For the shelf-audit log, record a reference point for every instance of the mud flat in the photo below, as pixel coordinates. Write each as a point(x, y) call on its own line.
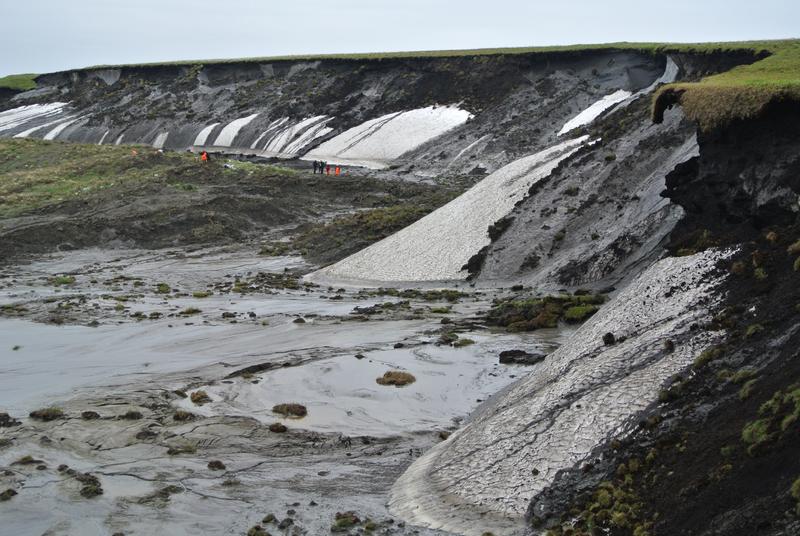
point(130, 336)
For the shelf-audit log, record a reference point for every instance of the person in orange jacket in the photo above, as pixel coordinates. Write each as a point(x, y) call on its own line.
point(204, 156)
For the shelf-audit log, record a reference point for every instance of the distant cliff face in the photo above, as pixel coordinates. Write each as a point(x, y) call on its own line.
point(445, 115)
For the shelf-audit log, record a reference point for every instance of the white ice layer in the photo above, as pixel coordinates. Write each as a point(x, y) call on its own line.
point(485, 475)
point(16, 117)
point(437, 246)
point(53, 134)
point(28, 132)
point(291, 139)
point(202, 136)
point(160, 140)
point(231, 130)
point(670, 75)
point(379, 141)
point(592, 112)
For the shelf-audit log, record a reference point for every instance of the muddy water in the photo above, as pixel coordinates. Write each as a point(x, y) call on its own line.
point(357, 439)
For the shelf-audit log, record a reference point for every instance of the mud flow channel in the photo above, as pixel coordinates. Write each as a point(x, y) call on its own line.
point(164, 369)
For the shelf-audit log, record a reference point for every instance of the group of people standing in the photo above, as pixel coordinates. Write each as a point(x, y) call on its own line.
point(325, 168)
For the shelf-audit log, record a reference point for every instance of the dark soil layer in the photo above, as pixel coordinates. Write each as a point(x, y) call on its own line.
point(64, 196)
point(718, 453)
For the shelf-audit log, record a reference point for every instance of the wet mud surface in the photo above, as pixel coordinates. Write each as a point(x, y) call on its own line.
point(123, 341)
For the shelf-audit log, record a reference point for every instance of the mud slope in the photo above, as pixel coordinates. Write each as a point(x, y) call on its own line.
point(484, 476)
point(482, 111)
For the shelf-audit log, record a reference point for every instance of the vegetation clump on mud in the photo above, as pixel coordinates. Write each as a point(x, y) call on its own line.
point(47, 414)
point(291, 410)
point(777, 416)
point(437, 295)
point(531, 313)
point(397, 378)
point(199, 397)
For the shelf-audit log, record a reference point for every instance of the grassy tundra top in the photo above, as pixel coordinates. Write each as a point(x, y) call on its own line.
point(742, 92)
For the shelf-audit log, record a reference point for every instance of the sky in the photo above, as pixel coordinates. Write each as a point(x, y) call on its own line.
point(38, 36)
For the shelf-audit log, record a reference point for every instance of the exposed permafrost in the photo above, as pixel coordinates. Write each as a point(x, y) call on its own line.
point(10, 119)
point(379, 141)
point(436, 247)
point(592, 112)
point(228, 133)
point(484, 476)
point(623, 97)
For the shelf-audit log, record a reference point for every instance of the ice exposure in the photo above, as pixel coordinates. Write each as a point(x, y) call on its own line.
point(592, 112)
point(483, 477)
point(16, 117)
point(379, 141)
point(436, 247)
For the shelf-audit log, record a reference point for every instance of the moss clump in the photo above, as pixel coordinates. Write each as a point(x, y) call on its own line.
point(199, 398)
point(580, 313)
point(794, 249)
point(795, 491)
point(753, 330)
point(707, 356)
point(7, 495)
point(460, 343)
point(528, 314)
point(163, 288)
point(201, 294)
point(130, 416)
point(257, 530)
point(189, 311)
point(181, 449)
point(292, 410)
point(396, 377)
point(216, 465)
point(343, 521)
point(747, 389)
point(91, 485)
point(61, 280)
point(776, 417)
point(797, 265)
point(47, 414)
point(183, 416)
point(278, 428)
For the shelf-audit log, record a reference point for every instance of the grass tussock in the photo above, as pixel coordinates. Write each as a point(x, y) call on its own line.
point(397, 378)
point(47, 414)
point(291, 410)
point(199, 398)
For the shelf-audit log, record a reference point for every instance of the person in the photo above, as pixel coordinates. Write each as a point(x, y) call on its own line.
point(338, 170)
point(327, 168)
point(315, 167)
point(204, 156)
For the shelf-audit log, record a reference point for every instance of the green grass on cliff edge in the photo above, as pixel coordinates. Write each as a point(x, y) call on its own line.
point(18, 82)
point(740, 93)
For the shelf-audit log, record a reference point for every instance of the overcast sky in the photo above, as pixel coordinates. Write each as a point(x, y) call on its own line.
point(47, 35)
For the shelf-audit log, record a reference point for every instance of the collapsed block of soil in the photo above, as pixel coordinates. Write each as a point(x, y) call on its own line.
point(520, 357)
